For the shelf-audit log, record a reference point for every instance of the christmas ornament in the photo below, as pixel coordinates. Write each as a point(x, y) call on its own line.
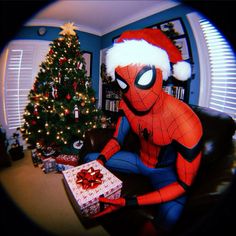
point(68, 96)
point(51, 51)
point(92, 99)
point(75, 85)
point(79, 65)
point(76, 113)
point(62, 60)
point(87, 85)
point(36, 110)
point(48, 151)
point(59, 77)
point(89, 178)
point(67, 111)
point(104, 121)
point(75, 98)
point(33, 122)
point(54, 92)
point(46, 94)
point(68, 29)
point(78, 144)
point(36, 98)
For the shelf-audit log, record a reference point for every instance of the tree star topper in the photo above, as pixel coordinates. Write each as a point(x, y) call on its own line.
point(68, 29)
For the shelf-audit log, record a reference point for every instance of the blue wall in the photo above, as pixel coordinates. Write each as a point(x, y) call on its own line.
point(93, 43)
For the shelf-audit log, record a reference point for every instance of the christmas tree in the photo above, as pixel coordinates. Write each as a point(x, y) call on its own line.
point(62, 103)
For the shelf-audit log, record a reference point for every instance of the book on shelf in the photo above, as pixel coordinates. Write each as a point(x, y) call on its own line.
point(112, 105)
point(175, 91)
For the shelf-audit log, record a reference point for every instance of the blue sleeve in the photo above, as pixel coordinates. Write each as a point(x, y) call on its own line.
point(122, 129)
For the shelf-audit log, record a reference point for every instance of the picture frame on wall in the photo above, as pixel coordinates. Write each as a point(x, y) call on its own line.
point(175, 24)
point(182, 44)
point(88, 61)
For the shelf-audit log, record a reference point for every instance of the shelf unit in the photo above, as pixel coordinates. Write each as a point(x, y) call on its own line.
point(111, 95)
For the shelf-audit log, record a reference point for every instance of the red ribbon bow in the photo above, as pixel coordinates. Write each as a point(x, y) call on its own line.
point(89, 178)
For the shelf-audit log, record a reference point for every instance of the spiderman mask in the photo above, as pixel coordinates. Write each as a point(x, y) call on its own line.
point(141, 86)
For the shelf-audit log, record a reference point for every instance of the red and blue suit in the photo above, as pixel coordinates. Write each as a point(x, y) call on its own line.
point(170, 135)
point(170, 143)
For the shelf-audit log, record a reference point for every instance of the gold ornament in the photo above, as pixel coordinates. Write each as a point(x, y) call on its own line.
point(68, 29)
point(93, 99)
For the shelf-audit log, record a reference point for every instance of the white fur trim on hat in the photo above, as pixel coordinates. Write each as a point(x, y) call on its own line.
point(182, 70)
point(137, 52)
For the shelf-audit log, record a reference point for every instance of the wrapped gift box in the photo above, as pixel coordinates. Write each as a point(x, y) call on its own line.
point(49, 165)
point(84, 198)
point(71, 160)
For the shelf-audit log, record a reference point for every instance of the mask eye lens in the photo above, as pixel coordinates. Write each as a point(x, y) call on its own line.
point(146, 78)
point(121, 84)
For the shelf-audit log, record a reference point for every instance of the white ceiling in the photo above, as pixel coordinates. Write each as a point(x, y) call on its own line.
point(98, 17)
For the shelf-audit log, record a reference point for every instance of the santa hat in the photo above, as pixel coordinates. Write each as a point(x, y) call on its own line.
point(147, 47)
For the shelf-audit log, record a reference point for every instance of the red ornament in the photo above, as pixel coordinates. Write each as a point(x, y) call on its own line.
point(67, 111)
point(46, 94)
point(51, 52)
point(33, 122)
point(89, 178)
point(75, 85)
point(62, 60)
point(68, 96)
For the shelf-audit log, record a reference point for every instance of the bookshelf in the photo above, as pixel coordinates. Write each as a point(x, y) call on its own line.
point(111, 95)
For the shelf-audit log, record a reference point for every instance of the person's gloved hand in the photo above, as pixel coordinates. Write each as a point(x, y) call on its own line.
point(101, 159)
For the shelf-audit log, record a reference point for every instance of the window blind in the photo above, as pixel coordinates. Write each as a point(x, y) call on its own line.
point(19, 76)
point(24, 58)
point(222, 81)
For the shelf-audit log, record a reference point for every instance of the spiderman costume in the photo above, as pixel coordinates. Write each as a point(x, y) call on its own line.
point(169, 132)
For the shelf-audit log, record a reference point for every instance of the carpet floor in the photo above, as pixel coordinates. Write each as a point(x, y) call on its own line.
point(35, 203)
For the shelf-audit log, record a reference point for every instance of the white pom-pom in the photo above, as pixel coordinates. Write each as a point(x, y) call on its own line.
point(182, 70)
